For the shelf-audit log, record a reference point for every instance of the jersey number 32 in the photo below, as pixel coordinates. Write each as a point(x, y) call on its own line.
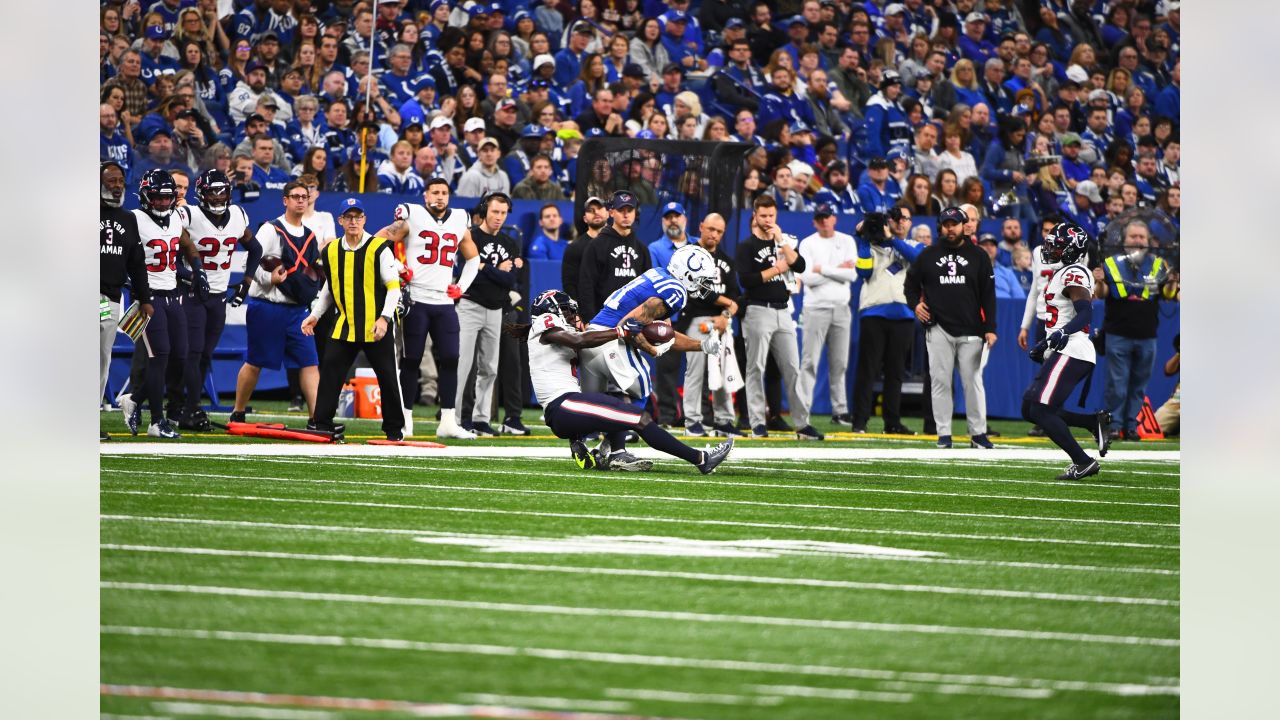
point(439, 250)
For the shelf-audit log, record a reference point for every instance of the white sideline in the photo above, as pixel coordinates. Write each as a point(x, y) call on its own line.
point(657, 498)
point(668, 463)
point(693, 617)
point(411, 532)
point(555, 703)
point(691, 698)
point(740, 451)
point(654, 519)
point(242, 711)
point(744, 666)
point(942, 689)
point(633, 572)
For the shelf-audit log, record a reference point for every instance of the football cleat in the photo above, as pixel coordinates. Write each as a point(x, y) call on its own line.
point(713, 457)
point(980, 441)
point(582, 455)
point(695, 430)
point(726, 430)
point(513, 426)
point(760, 431)
point(624, 460)
point(335, 428)
point(236, 416)
point(842, 419)
point(899, 430)
point(163, 429)
point(1080, 472)
point(777, 423)
point(132, 413)
point(483, 429)
point(944, 442)
point(808, 432)
point(1102, 436)
point(197, 421)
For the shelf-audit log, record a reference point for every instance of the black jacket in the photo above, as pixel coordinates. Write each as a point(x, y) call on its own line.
point(726, 285)
point(120, 253)
point(959, 286)
point(610, 262)
point(571, 263)
point(754, 257)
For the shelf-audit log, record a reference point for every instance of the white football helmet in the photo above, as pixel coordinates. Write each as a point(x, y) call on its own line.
point(694, 267)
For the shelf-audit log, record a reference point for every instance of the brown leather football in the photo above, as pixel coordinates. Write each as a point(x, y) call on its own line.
point(270, 262)
point(658, 333)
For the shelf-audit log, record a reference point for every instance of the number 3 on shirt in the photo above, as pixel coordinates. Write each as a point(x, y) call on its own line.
point(440, 248)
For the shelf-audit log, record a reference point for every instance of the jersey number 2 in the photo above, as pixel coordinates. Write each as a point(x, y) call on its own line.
point(209, 248)
point(166, 254)
point(440, 248)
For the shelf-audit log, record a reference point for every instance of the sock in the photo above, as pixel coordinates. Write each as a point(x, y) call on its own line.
point(1080, 420)
point(617, 441)
point(409, 382)
point(659, 439)
point(446, 381)
point(193, 379)
point(156, 367)
point(1056, 428)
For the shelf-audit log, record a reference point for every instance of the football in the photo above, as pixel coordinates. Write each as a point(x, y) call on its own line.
point(270, 262)
point(658, 332)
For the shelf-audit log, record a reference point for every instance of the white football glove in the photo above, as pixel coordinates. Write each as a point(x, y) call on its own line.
point(711, 344)
point(664, 347)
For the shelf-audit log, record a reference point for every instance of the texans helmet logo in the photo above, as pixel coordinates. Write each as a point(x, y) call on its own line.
point(1076, 235)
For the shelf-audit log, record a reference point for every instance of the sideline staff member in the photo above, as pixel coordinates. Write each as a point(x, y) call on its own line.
point(364, 284)
point(953, 289)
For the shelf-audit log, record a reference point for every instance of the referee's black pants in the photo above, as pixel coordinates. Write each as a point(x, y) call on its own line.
point(336, 364)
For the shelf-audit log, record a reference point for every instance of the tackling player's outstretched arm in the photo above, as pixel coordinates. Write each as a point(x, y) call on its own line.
point(579, 341)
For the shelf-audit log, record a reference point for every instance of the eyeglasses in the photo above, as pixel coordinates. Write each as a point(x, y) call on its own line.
point(295, 196)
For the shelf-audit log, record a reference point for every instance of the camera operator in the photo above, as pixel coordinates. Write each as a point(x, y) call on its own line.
point(887, 326)
point(242, 178)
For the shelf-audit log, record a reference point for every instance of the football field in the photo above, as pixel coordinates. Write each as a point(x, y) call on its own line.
point(870, 577)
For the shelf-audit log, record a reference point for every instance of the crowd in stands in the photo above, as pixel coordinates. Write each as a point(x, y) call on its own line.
point(1063, 108)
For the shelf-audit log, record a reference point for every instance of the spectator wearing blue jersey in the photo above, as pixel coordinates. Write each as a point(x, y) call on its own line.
point(548, 242)
point(154, 62)
point(113, 145)
point(1168, 103)
point(875, 194)
point(1052, 33)
point(158, 155)
point(973, 43)
point(887, 125)
point(400, 83)
point(681, 49)
point(265, 174)
point(569, 59)
point(396, 175)
point(1075, 169)
point(837, 193)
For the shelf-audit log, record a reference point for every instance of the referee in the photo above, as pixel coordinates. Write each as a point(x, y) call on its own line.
point(364, 284)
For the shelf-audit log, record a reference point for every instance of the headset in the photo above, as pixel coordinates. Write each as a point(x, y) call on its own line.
point(483, 208)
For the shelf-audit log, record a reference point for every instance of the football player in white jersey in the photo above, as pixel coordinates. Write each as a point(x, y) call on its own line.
point(428, 241)
point(163, 239)
point(555, 335)
point(1034, 310)
point(216, 227)
point(1067, 354)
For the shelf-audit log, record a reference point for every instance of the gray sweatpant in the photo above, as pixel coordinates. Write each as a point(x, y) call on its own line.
point(478, 329)
point(827, 327)
point(766, 331)
point(947, 353)
point(695, 378)
point(106, 339)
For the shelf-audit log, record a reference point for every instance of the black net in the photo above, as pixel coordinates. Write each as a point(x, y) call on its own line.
point(704, 177)
point(1162, 232)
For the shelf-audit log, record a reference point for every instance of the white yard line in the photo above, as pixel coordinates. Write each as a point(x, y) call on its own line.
point(634, 572)
point(653, 498)
point(405, 531)
point(242, 711)
point(282, 700)
point(691, 617)
point(737, 666)
point(560, 450)
point(555, 703)
point(653, 519)
point(601, 477)
point(805, 691)
point(666, 462)
point(691, 698)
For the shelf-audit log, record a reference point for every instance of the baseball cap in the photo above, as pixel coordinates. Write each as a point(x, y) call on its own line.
point(424, 81)
point(988, 238)
point(582, 27)
point(953, 214)
point(672, 207)
point(441, 121)
point(494, 8)
point(1071, 139)
point(824, 210)
point(160, 130)
point(975, 17)
point(254, 65)
point(673, 67)
point(795, 20)
point(157, 32)
point(878, 162)
point(534, 130)
point(505, 104)
point(475, 9)
point(889, 77)
point(266, 101)
point(800, 167)
point(1089, 189)
point(255, 117)
point(676, 16)
point(1077, 73)
point(799, 127)
point(621, 199)
point(632, 70)
point(543, 59)
point(1098, 94)
point(520, 14)
point(351, 203)
point(734, 22)
point(473, 124)
point(437, 3)
point(488, 141)
point(837, 166)
point(269, 35)
point(594, 199)
point(894, 9)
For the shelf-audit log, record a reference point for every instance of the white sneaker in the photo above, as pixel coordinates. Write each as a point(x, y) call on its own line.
point(408, 422)
point(163, 429)
point(132, 414)
point(449, 428)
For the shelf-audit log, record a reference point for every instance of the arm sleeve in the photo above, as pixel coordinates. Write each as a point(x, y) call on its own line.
point(1029, 308)
point(469, 271)
point(800, 264)
point(908, 249)
point(1084, 315)
point(253, 255)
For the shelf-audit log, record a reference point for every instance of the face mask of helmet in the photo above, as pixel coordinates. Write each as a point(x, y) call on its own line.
point(218, 202)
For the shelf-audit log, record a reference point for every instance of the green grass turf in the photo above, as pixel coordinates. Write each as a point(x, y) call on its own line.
point(339, 537)
point(1014, 431)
